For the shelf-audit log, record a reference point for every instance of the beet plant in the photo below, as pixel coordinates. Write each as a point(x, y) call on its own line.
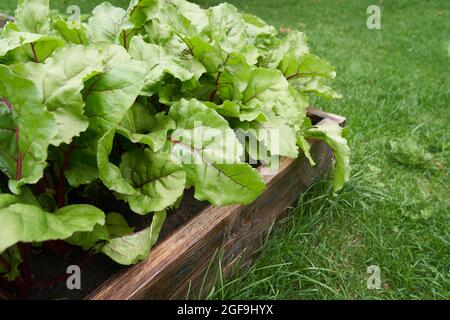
point(135, 106)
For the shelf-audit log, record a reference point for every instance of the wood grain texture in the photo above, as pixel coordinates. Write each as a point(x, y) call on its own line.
point(186, 264)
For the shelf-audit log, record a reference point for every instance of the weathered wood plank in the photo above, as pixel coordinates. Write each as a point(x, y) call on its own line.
point(320, 115)
point(185, 264)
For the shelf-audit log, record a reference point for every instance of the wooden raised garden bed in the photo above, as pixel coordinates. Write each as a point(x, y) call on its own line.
point(185, 262)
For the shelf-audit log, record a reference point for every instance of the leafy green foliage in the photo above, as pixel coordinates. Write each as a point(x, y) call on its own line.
point(157, 181)
point(141, 104)
point(28, 223)
point(24, 140)
point(132, 248)
point(332, 134)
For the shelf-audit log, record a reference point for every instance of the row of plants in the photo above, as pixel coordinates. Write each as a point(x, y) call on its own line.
point(138, 105)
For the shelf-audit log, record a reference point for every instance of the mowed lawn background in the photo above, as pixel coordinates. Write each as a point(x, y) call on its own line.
point(395, 211)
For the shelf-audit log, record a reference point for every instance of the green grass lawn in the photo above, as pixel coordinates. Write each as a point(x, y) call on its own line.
point(396, 85)
point(395, 212)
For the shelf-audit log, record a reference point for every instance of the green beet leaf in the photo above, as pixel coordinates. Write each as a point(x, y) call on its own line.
point(295, 44)
point(109, 173)
point(13, 257)
point(273, 136)
point(77, 34)
point(333, 135)
point(115, 226)
point(227, 27)
point(60, 81)
point(33, 16)
point(210, 152)
point(158, 180)
point(307, 65)
point(24, 141)
point(140, 126)
point(130, 249)
point(22, 46)
point(106, 23)
point(161, 61)
point(148, 181)
point(28, 223)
